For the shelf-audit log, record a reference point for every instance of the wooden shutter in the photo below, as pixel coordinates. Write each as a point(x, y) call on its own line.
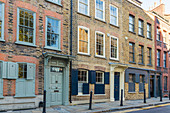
point(74, 86)
point(106, 77)
point(20, 88)
point(4, 70)
point(99, 89)
point(30, 86)
point(31, 71)
point(127, 77)
point(146, 79)
point(92, 77)
point(85, 88)
point(137, 78)
point(1, 88)
point(12, 70)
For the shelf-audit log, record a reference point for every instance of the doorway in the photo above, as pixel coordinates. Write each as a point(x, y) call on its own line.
point(116, 85)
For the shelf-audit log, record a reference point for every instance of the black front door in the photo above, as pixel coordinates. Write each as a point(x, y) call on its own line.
point(158, 84)
point(116, 85)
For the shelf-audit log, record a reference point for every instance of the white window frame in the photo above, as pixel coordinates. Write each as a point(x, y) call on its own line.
point(117, 48)
point(49, 47)
point(103, 11)
point(3, 19)
point(54, 1)
point(116, 15)
point(81, 93)
point(88, 53)
point(103, 45)
point(102, 77)
point(34, 24)
point(88, 12)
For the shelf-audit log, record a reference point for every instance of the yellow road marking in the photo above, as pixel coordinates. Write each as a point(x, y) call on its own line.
point(145, 108)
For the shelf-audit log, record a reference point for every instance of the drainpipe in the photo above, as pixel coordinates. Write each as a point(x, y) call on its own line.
point(71, 26)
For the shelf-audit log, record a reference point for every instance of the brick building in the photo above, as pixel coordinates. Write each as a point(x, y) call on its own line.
point(138, 30)
point(34, 37)
point(98, 47)
point(162, 45)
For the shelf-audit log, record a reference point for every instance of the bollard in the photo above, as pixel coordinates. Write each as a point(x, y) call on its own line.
point(44, 102)
point(144, 95)
point(169, 95)
point(160, 95)
point(121, 101)
point(90, 103)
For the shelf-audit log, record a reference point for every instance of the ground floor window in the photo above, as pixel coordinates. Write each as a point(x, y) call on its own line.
point(165, 83)
point(82, 79)
point(141, 83)
point(131, 82)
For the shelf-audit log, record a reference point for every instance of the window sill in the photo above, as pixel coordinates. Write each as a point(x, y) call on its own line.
point(33, 96)
point(150, 39)
point(103, 57)
point(158, 40)
point(26, 44)
point(141, 64)
point(52, 48)
point(150, 65)
point(1, 97)
point(84, 54)
point(132, 32)
point(100, 20)
point(83, 14)
point(132, 62)
point(2, 40)
point(141, 35)
point(114, 59)
point(114, 25)
point(132, 92)
point(141, 91)
point(79, 95)
point(99, 94)
point(54, 3)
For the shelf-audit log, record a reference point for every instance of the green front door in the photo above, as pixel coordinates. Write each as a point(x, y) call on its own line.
point(56, 90)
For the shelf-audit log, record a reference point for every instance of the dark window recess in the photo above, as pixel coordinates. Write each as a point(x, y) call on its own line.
point(141, 83)
point(131, 52)
point(132, 82)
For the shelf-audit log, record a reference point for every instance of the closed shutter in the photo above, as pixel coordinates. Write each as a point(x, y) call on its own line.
point(31, 71)
point(137, 78)
point(74, 86)
point(30, 86)
point(12, 72)
point(146, 79)
point(20, 88)
point(85, 88)
point(99, 89)
point(4, 70)
point(1, 88)
point(92, 77)
point(106, 77)
point(127, 77)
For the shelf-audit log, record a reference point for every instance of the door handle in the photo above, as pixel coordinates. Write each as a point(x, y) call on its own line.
point(56, 90)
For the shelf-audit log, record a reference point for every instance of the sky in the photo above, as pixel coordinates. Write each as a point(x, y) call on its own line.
point(148, 3)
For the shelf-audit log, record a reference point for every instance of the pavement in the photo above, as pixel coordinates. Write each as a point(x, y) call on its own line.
point(98, 107)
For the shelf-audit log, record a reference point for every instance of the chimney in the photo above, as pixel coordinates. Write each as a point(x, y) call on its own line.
point(155, 4)
point(160, 1)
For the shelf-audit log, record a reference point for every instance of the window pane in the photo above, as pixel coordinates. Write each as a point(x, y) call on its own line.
point(83, 40)
point(22, 70)
point(0, 69)
point(113, 47)
point(100, 9)
point(1, 20)
point(53, 32)
point(83, 6)
point(113, 15)
point(26, 26)
point(99, 44)
point(99, 77)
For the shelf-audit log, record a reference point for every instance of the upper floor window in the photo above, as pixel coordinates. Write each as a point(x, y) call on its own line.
point(113, 15)
point(164, 36)
point(158, 34)
point(100, 44)
point(164, 59)
point(148, 30)
point(1, 21)
point(149, 55)
point(83, 6)
point(26, 26)
point(131, 23)
point(1, 69)
point(114, 47)
point(53, 33)
point(83, 40)
point(158, 58)
point(131, 52)
point(140, 28)
point(141, 54)
point(99, 77)
point(55, 1)
point(100, 10)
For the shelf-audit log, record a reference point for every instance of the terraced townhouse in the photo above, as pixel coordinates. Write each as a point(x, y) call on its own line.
point(162, 46)
point(34, 52)
point(139, 49)
point(98, 47)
